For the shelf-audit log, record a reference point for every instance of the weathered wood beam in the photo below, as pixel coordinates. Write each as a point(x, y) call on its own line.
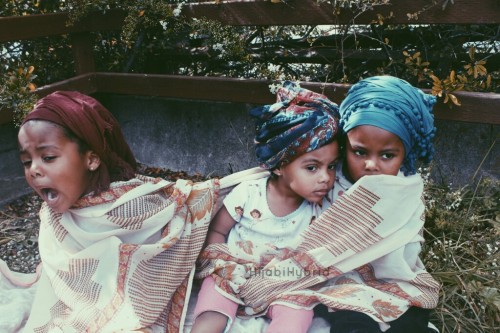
point(84, 83)
point(476, 107)
point(309, 12)
point(83, 46)
point(33, 26)
point(261, 12)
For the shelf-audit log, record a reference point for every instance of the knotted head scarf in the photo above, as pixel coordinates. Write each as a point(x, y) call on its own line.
point(299, 122)
point(93, 125)
point(396, 106)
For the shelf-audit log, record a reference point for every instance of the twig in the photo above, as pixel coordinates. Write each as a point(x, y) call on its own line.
point(484, 158)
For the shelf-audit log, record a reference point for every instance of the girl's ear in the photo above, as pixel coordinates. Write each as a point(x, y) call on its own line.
point(277, 171)
point(93, 160)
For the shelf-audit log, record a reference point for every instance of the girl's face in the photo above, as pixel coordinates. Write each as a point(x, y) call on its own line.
point(311, 175)
point(53, 165)
point(371, 150)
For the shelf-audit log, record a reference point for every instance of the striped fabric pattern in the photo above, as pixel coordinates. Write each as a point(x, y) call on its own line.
point(361, 254)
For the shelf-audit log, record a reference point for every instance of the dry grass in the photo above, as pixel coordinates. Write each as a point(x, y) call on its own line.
point(462, 252)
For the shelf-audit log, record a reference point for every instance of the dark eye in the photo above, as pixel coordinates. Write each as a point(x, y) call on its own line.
point(332, 166)
point(26, 163)
point(48, 158)
point(359, 152)
point(387, 156)
point(311, 168)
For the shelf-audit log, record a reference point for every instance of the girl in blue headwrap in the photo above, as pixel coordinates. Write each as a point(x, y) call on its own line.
point(296, 140)
point(388, 126)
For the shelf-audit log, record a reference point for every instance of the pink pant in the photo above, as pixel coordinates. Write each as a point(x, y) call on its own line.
point(283, 318)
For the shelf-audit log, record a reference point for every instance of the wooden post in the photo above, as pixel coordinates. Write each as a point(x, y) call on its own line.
point(83, 45)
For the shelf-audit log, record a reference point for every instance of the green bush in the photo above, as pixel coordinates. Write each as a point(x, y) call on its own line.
point(157, 39)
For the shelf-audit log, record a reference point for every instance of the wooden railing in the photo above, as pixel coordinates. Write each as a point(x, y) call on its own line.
point(476, 107)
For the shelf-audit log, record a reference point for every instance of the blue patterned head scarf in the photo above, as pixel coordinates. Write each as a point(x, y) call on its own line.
point(396, 106)
point(299, 122)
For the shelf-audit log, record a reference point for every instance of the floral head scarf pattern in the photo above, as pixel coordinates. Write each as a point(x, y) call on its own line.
point(299, 122)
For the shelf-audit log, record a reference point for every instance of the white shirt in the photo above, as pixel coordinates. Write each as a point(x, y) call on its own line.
point(257, 230)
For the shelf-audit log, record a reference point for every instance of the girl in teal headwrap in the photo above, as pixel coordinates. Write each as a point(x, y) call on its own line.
point(388, 126)
point(395, 106)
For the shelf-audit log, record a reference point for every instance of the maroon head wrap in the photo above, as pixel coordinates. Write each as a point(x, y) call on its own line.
point(95, 126)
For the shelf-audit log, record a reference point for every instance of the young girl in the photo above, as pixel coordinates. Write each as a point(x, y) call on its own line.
point(296, 141)
point(116, 248)
point(388, 126)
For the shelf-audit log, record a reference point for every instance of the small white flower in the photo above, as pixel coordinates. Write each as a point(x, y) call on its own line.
point(273, 88)
point(273, 68)
point(218, 47)
point(177, 11)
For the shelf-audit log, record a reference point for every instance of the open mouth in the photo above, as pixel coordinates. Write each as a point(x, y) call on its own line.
point(49, 194)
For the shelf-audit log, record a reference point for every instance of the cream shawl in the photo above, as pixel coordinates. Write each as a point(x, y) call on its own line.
point(361, 254)
point(123, 260)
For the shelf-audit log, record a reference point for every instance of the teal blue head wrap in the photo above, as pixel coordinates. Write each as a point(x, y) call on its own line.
point(395, 106)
